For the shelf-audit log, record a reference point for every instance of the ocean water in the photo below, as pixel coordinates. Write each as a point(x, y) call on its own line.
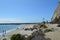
point(8, 27)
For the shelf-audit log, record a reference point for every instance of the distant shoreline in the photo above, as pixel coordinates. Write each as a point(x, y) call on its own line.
point(16, 23)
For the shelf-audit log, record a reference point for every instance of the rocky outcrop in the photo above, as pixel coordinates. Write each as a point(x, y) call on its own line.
point(56, 16)
point(38, 35)
point(56, 20)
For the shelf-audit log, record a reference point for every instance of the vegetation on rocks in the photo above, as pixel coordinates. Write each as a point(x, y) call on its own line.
point(4, 39)
point(17, 37)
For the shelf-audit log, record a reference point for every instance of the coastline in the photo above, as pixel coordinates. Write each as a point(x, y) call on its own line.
point(19, 31)
point(7, 31)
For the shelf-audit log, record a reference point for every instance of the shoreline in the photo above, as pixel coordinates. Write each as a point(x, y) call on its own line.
point(11, 30)
point(19, 30)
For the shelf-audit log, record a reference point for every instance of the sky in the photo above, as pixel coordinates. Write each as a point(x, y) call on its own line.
point(27, 10)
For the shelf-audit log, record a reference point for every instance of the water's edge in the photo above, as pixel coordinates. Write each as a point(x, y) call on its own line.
point(7, 31)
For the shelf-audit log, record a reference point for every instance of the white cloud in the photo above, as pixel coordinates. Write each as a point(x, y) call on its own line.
point(9, 21)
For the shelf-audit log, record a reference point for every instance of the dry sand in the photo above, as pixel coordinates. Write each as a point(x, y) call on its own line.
point(55, 35)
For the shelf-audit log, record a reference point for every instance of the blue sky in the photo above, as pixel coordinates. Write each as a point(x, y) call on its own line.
point(26, 10)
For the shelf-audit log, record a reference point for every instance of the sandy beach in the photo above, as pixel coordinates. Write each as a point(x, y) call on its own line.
point(19, 31)
point(55, 35)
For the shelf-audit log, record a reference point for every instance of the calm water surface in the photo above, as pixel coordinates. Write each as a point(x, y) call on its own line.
point(8, 27)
